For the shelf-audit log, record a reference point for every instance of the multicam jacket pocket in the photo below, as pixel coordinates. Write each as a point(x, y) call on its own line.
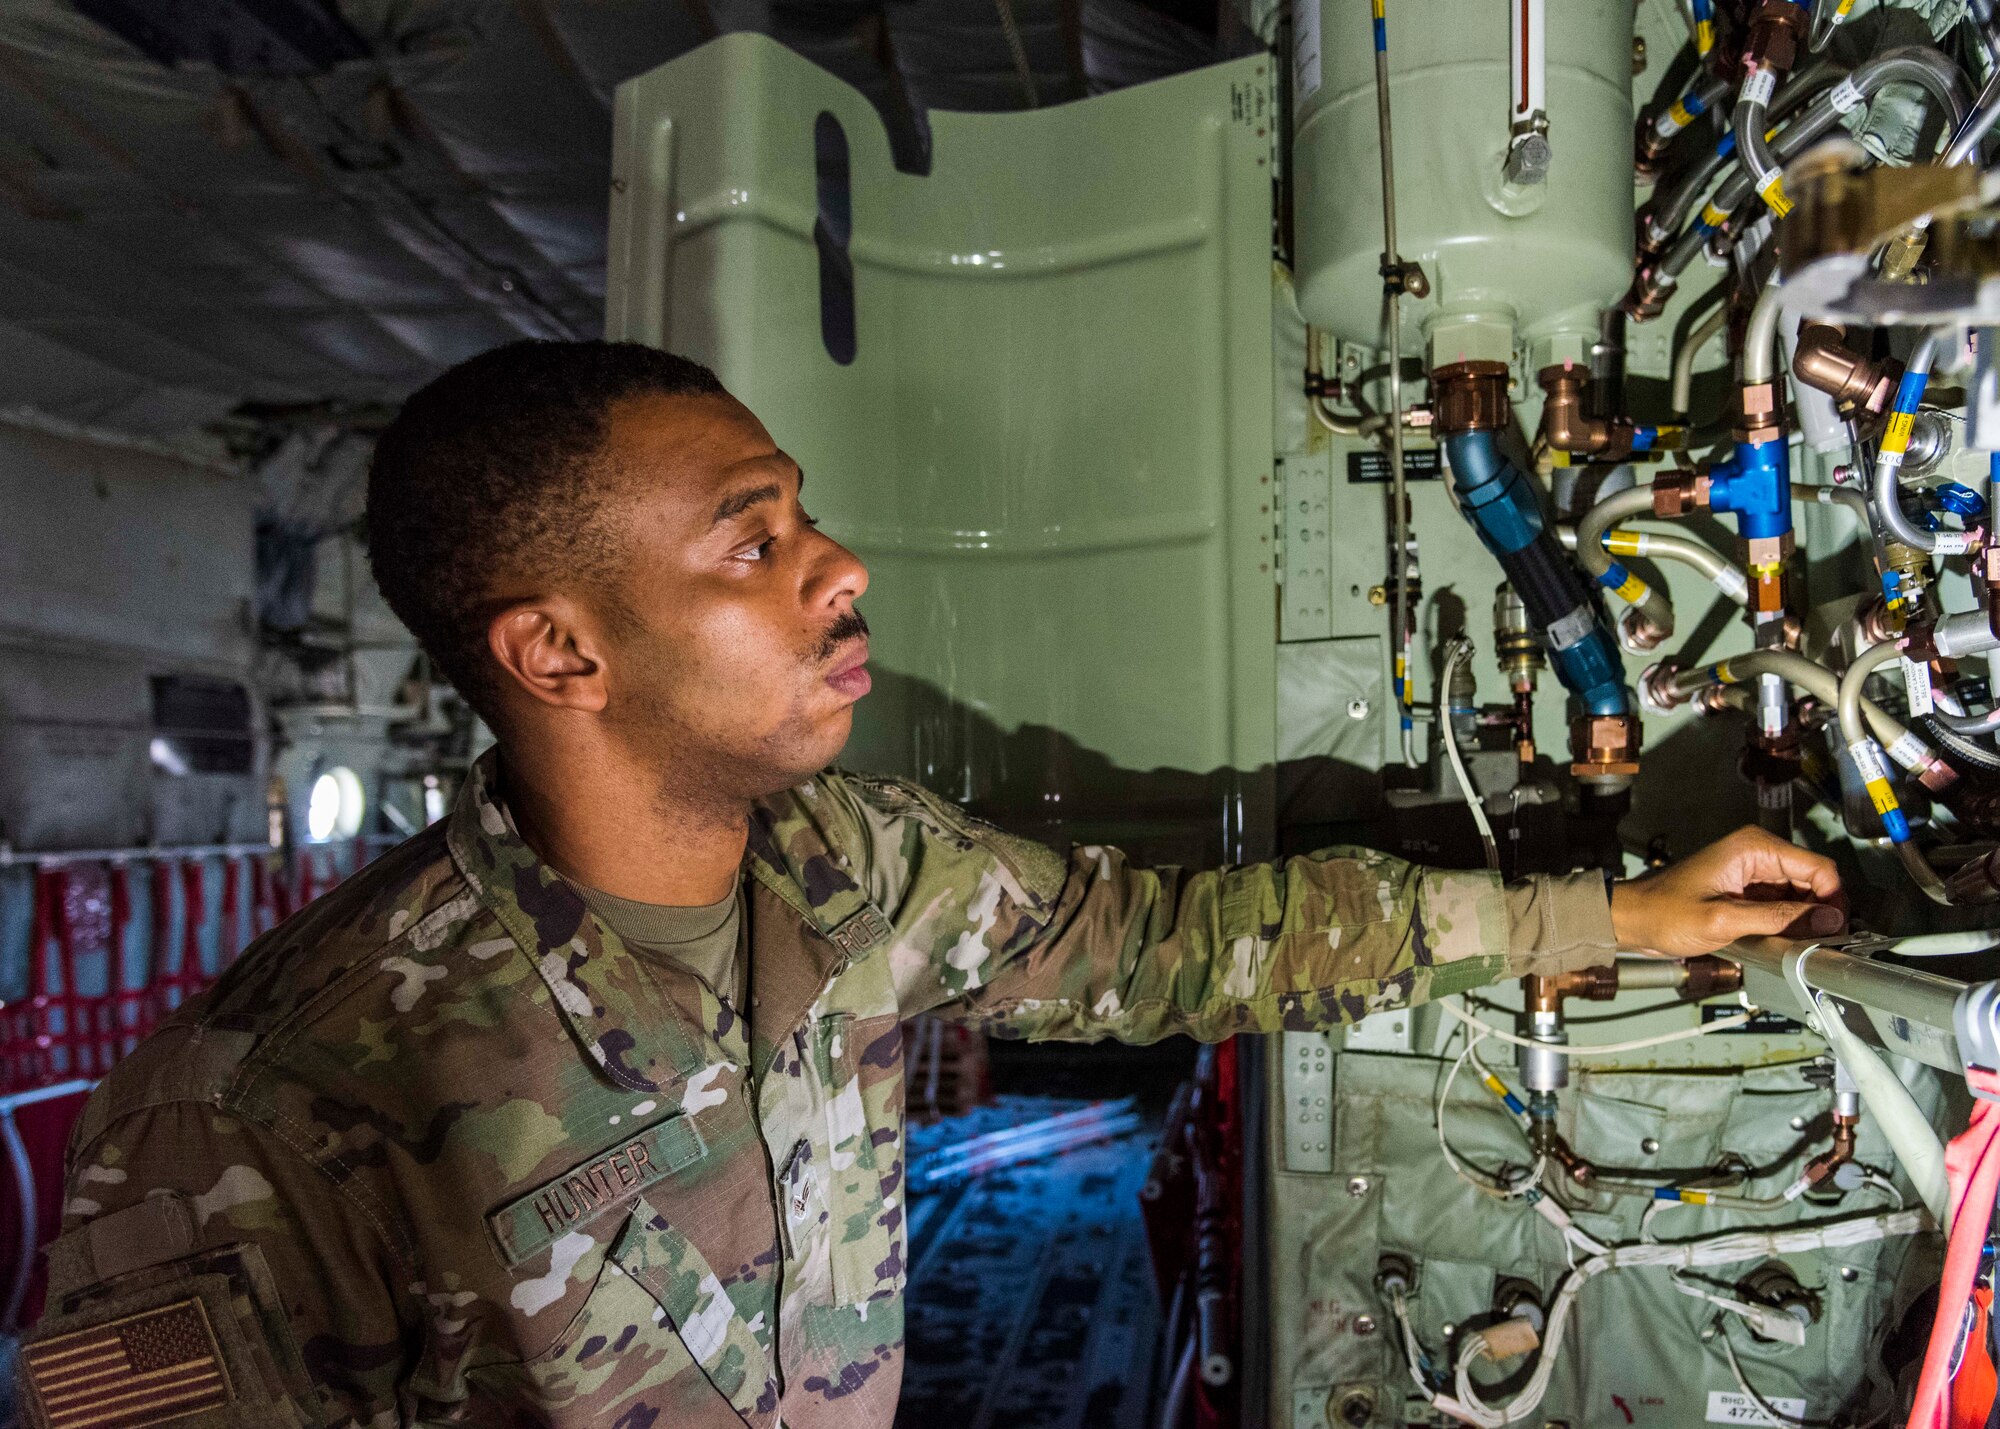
point(860, 1066)
point(657, 1312)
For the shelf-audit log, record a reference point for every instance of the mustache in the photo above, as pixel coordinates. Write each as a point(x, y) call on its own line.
point(844, 628)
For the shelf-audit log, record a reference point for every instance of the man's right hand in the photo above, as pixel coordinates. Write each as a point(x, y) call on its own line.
point(1750, 884)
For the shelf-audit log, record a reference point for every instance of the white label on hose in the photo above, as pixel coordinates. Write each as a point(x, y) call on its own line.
point(1917, 685)
point(1759, 88)
point(1910, 752)
point(1953, 543)
point(1569, 629)
point(1305, 52)
point(1726, 1406)
point(1733, 583)
point(1868, 760)
point(1846, 96)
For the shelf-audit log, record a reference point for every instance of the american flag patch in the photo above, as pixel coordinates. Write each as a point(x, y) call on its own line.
point(149, 1368)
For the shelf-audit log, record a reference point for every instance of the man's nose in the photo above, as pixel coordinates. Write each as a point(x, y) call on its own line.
point(843, 578)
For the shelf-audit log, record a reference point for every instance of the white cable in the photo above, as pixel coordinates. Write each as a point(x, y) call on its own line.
point(1777, 1415)
point(1882, 1183)
point(1766, 1320)
point(1491, 1188)
point(1458, 652)
point(1728, 1248)
point(1602, 1049)
point(1413, 1352)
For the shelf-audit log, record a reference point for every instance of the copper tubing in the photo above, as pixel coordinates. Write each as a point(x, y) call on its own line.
point(1836, 1156)
point(1695, 979)
point(1565, 427)
point(1827, 364)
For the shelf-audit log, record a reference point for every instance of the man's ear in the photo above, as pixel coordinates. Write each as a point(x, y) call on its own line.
point(548, 649)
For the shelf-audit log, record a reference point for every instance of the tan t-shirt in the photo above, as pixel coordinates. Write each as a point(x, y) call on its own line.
point(707, 940)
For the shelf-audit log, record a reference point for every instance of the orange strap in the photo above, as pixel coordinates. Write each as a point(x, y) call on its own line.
point(1974, 1383)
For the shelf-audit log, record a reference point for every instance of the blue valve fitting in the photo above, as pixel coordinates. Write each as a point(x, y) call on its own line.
point(1755, 486)
point(1960, 501)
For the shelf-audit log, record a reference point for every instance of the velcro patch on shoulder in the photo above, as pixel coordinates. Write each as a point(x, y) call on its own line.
point(611, 1177)
point(137, 1370)
point(861, 931)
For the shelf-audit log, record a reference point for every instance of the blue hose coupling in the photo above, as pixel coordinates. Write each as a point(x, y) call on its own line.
point(1506, 510)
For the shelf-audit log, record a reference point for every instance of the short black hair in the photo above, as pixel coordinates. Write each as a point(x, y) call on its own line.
point(492, 469)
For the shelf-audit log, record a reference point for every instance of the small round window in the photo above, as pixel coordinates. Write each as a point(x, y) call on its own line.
point(333, 810)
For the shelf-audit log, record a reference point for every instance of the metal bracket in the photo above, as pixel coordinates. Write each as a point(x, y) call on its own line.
point(1306, 1081)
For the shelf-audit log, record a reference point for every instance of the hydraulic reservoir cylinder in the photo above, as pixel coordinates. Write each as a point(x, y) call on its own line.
point(1550, 253)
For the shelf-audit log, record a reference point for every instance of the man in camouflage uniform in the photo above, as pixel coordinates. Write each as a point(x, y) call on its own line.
point(444, 1149)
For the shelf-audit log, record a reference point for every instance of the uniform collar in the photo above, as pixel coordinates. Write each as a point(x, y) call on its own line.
point(598, 988)
point(600, 991)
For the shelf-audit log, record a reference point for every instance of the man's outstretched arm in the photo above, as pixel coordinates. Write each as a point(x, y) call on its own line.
point(1002, 931)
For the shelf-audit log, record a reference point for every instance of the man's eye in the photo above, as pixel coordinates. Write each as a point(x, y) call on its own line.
point(757, 552)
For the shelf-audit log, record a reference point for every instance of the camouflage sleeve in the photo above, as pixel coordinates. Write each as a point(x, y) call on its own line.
point(201, 1238)
point(1002, 931)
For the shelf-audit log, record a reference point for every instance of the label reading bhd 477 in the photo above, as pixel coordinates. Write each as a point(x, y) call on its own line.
point(1726, 1406)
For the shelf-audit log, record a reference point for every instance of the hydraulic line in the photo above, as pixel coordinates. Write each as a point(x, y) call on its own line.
point(1624, 541)
point(1702, 93)
point(1866, 757)
point(1758, 362)
point(1875, 775)
point(1672, 213)
point(1914, 64)
point(1887, 491)
point(1655, 612)
point(1970, 726)
point(1917, 1148)
point(1816, 680)
point(1684, 359)
point(1985, 110)
point(1835, 496)
point(1747, 124)
point(1504, 508)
